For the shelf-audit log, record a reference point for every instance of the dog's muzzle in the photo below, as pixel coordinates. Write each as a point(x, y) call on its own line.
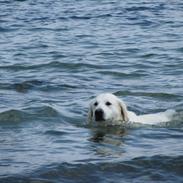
point(99, 115)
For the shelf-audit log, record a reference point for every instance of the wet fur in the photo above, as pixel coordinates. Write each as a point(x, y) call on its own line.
point(117, 113)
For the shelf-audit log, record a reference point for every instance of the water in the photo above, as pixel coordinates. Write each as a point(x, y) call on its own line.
point(55, 56)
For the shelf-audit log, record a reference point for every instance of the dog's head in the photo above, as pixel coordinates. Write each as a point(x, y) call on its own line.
point(107, 109)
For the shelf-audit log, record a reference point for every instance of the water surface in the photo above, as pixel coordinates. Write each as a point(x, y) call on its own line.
point(56, 56)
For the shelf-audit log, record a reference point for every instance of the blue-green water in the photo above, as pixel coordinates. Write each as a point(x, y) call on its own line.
point(55, 56)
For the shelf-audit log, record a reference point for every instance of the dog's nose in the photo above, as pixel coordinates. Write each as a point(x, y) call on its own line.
point(99, 115)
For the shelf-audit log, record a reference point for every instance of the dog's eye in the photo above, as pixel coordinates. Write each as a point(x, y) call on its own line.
point(108, 103)
point(96, 103)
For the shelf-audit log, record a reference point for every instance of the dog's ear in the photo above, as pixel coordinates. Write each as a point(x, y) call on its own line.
point(123, 110)
point(90, 115)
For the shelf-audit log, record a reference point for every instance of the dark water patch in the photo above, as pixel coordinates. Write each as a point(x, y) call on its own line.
point(12, 116)
point(68, 86)
point(56, 133)
point(58, 87)
point(149, 55)
point(83, 36)
point(139, 8)
point(142, 169)
point(80, 17)
point(5, 2)
point(55, 64)
point(45, 29)
point(27, 85)
point(122, 75)
point(79, 66)
point(7, 29)
point(146, 7)
point(20, 54)
point(56, 55)
point(23, 115)
point(92, 16)
point(21, 0)
point(147, 23)
point(180, 50)
point(23, 87)
point(171, 164)
point(104, 15)
point(17, 67)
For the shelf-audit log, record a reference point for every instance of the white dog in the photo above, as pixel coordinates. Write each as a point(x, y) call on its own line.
point(107, 109)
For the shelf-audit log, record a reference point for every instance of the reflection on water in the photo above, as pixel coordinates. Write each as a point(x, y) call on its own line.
point(100, 133)
point(109, 140)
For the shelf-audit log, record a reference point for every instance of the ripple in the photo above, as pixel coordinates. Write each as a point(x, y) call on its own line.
point(91, 16)
point(139, 8)
point(149, 55)
point(54, 64)
point(37, 85)
point(122, 75)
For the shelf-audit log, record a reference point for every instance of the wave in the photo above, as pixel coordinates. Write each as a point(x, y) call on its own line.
point(86, 17)
point(158, 95)
point(23, 86)
point(28, 85)
point(55, 64)
point(15, 115)
point(12, 115)
point(142, 169)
